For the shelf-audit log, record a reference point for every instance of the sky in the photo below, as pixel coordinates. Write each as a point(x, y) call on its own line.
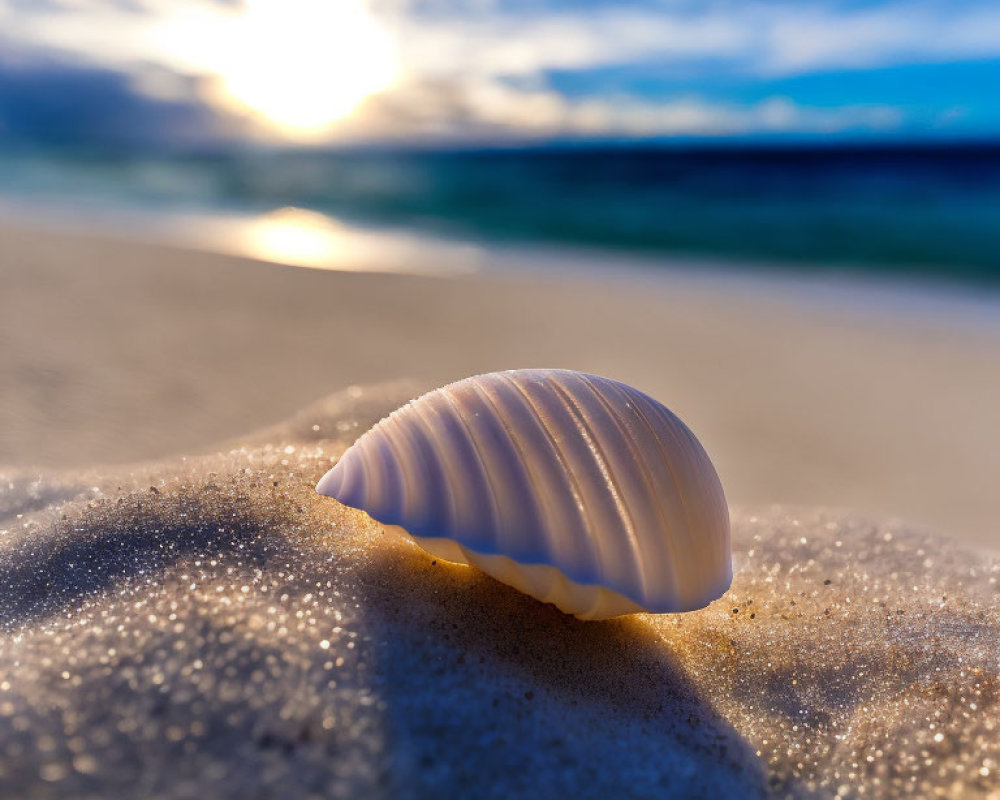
point(191, 73)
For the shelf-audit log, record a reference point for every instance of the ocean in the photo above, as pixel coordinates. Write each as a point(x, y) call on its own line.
point(926, 211)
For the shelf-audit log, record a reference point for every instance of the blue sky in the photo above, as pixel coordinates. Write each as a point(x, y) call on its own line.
point(190, 72)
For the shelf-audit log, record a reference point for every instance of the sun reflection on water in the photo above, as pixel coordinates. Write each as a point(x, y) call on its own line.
point(303, 238)
point(296, 236)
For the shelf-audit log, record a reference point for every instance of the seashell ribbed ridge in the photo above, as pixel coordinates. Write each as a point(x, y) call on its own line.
point(578, 490)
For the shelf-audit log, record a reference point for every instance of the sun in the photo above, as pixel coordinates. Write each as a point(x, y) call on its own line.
point(303, 65)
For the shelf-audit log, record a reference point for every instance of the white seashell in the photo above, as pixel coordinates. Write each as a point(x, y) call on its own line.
point(578, 490)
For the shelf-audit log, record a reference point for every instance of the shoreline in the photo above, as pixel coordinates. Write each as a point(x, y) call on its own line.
point(353, 246)
point(120, 351)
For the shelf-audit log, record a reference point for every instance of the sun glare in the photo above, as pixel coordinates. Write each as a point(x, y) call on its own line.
point(304, 238)
point(304, 64)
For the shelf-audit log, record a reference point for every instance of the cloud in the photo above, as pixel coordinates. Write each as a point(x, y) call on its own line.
point(808, 39)
point(439, 39)
point(37, 7)
point(47, 100)
point(476, 71)
point(746, 37)
point(511, 45)
point(480, 110)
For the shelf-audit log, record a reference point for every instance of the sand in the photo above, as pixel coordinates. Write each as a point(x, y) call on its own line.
point(806, 394)
point(210, 627)
point(182, 616)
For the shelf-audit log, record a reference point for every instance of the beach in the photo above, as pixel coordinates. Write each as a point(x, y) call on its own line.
point(182, 616)
point(808, 393)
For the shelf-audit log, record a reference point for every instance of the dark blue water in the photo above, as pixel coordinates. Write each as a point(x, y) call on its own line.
point(914, 210)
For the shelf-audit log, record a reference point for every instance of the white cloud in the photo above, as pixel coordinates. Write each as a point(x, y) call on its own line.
point(806, 40)
point(459, 67)
point(507, 44)
point(478, 109)
point(751, 37)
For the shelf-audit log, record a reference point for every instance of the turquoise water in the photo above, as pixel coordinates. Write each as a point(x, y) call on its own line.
point(916, 211)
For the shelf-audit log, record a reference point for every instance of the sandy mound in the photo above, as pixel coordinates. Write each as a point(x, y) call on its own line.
point(212, 628)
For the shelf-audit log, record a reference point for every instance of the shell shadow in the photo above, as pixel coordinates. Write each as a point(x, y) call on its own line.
point(486, 687)
point(102, 544)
